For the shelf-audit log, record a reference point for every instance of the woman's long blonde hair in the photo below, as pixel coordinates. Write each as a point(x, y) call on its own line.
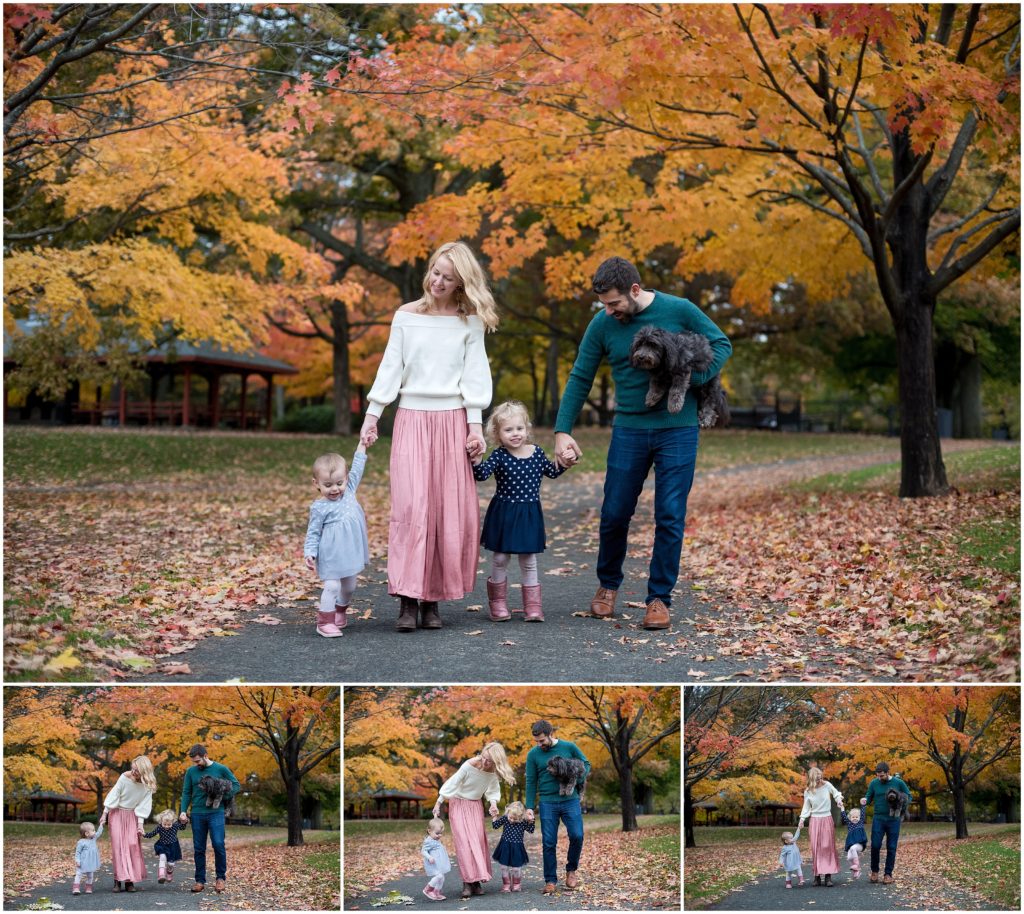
point(814, 778)
point(496, 753)
point(474, 295)
point(143, 767)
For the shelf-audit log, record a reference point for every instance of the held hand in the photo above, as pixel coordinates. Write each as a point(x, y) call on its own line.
point(567, 451)
point(430, 860)
point(310, 563)
point(529, 815)
point(494, 811)
point(368, 433)
point(183, 819)
point(475, 444)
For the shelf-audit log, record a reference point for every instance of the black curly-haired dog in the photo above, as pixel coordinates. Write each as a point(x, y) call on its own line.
point(897, 801)
point(568, 772)
point(218, 791)
point(671, 358)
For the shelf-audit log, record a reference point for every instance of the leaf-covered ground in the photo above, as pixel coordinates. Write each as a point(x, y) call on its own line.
point(619, 871)
point(927, 876)
point(113, 571)
point(263, 873)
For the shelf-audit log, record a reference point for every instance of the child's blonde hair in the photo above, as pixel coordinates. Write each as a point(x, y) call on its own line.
point(473, 296)
point(515, 811)
point(326, 464)
point(166, 814)
point(856, 809)
point(787, 837)
point(83, 829)
point(436, 824)
point(501, 414)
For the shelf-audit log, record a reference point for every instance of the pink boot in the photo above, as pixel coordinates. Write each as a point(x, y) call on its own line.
point(76, 890)
point(88, 888)
point(497, 600)
point(162, 875)
point(531, 603)
point(340, 615)
point(325, 625)
point(506, 884)
point(517, 883)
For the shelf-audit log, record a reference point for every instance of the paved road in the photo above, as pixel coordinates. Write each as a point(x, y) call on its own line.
point(769, 893)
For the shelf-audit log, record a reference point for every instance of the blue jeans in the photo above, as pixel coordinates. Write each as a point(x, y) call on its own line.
point(211, 824)
point(884, 825)
point(673, 454)
point(569, 812)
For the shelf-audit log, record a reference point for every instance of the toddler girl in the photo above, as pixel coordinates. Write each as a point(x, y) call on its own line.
point(337, 546)
point(167, 848)
point(511, 851)
point(87, 857)
point(514, 522)
point(435, 860)
point(789, 859)
point(856, 838)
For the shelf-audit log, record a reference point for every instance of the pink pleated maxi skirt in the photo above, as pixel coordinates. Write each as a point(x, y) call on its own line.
point(824, 859)
point(466, 818)
point(434, 538)
point(126, 846)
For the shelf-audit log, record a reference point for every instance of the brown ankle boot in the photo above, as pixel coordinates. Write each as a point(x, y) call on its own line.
point(531, 603)
point(497, 601)
point(429, 616)
point(407, 614)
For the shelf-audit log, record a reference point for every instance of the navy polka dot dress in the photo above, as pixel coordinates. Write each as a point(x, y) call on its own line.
point(511, 851)
point(514, 521)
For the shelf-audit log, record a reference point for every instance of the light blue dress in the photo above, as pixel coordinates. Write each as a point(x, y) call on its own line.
point(434, 848)
point(87, 854)
point(336, 536)
point(789, 859)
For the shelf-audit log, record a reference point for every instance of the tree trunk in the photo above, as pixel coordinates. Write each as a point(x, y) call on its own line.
point(342, 394)
point(293, 786)
point(625, 769)
point(922, 470)
point(553, 390)
point(967, 420)
point(688, 813)
point(956, 773)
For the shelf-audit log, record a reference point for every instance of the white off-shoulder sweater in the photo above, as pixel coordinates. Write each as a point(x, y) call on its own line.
point(471, 783)
point(433, 362)
point(129, 794)
point(817, 802)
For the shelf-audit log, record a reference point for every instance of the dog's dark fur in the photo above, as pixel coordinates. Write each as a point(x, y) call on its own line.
point(217, 790)
point(897, 801)
point(671, 358)
point(568, 772)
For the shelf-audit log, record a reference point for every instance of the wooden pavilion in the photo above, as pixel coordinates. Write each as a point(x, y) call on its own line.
point(172, 395)
point(387, 804)
point(770, 814)
point(42, 806)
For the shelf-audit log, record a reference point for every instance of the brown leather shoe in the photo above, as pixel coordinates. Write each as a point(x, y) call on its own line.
point(603, 604)
point(466, 890)
point(429, 616)
point(198, 887)
point(888, 880)
point(549, 888)
point(571, 879)
point(407, 614)
point(874, 876)
point(477, 888)
point(656, 616)
point(218, 886)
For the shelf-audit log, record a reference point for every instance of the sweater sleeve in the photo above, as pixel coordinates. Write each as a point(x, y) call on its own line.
point(186, 791)
point(484, 469)
point(530, 799)
point(314, 529)
point(475, 384)
point(113, 796)
point(450, 788)
point(144, 808)
point(389, 375)
point(835, 793)
point(698, 322)
point(493, 791)
point(581, 378)
point(806, 811)
point(230, 775)
point(586, 762)
point(355, 471)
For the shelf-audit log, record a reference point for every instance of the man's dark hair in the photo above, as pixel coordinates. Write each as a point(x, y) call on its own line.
point(615, 273)
point(197, 751)
point(882, 768)
point(542, 726)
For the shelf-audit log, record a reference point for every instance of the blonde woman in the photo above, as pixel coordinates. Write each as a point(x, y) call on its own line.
point(436, 365)
point(818, 797)
point(480, 776)
point(126, 807)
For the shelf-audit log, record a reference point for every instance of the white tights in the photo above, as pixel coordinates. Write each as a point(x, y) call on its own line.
point(511, 872)
point(337, 592)
point(527, 567)
point(436, 882)
point(80, 873)
point(853, 855)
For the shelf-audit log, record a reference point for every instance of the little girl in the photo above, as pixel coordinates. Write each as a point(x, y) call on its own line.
point(856, 838)
point(511, 851)
point(87, 857)
point(789, 859)
point(167, 848)
point(514, 522)
point(435, 860)
point(337, 546)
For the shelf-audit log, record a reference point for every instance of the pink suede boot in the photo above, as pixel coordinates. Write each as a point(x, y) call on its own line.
point(325, 625)
point(340, 615)
point(497, 600)
point(531, 603)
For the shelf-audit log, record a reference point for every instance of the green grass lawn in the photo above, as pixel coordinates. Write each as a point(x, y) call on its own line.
point(405, 828)
point(995, 865)
point(739, 834)
point(263, 834)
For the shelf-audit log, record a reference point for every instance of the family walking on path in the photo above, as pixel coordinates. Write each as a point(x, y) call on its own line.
point(435, 365)
point(887, 795)
point(207, 790)
point(551, 795)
